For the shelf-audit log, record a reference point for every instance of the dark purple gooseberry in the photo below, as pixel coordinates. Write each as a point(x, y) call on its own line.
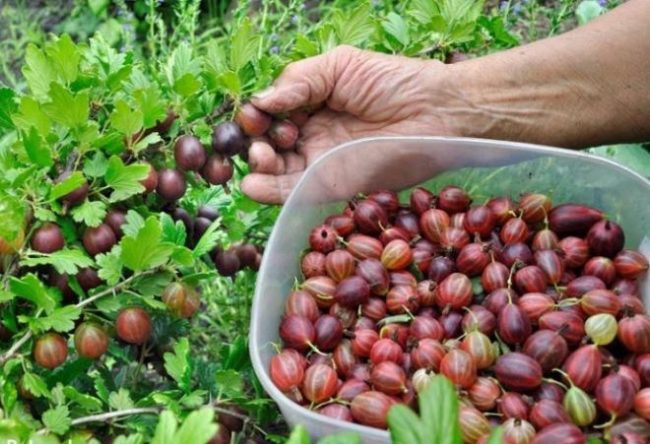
point(451, 324)
point(115, 219)
point(440, 268)
point(421, 200)
point(516, 253)
point(605, 238)
point(208, 212)
point(480, 220)
point(284, 134)
point(370, 217)
point(387, 199)
point(408, 222)
point(171, 184)
point(453, 199)
point(61, 282)
point(252, 121)
point(329, 332)
point(151, 181)
point(352, 291)
point(179, 214)
point(217, 170)
point(226, 262)
point(228, 139)
point(189, 153)
point(75, 196)
point(499, 298)
point(48, 238)
point(99, 239)
point(88, 278)
point(297, 332)
point(201, 224)
point(375, 275)
point(247, 254)
point(513, 325)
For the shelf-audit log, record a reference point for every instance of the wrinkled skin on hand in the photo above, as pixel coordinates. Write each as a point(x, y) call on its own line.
point(357, 94)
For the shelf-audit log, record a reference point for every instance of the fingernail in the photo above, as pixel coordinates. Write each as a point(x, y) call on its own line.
point(264, 93)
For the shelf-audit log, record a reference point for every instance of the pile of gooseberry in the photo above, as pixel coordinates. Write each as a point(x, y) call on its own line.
point(534, 312)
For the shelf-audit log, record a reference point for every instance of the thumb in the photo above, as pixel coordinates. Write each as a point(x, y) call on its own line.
point(305, 83)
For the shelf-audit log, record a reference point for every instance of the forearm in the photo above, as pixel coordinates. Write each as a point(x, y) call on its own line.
point(587, 87)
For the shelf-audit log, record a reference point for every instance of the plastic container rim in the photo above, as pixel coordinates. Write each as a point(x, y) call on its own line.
point(259, 368)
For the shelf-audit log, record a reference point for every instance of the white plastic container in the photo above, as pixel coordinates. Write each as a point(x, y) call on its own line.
point(483, 167)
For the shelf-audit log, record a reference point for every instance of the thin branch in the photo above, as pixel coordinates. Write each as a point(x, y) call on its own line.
point(14, 348)
point(102, 417)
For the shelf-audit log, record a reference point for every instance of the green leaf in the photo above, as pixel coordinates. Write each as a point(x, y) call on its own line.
point(588, 10)
point(146, 141)
point(305, 46)
point(90, 213)
point(6, 296)
point(57, 420)
point(145, 250)
point(151, 104)
point(178, 364)
point(98, 6)
point(182, 256)
point(89, 403)
point(125, 179)
point(395, 26)
point(496, 437)
point(110, 265)
point(30, 114)
point(64, 56)
point(61, 320)
point(165, 429)
point(198, 428)
point(460, 12)
point(341, 438)
point(133, 438)
point(212, 236)
point(243, 47)
point(38, 71)
point(120, 400)
point(96, 166)
point(153, 284)
point(230, 383)
point(66, 261)
point(187, 84)
point(299, 435)
point(13, 216)
point(423, 10)
point(7, 108)
point(172, 231)
point(35, 385)
point(67, 109)
point(134, 222)
point(70, 183)
point(405, 427)
point(126, 120)
point(183, 70)
point(37, 149)
point(439, 406)
point(100, 388)
point(498, 30)
point(353, 27)
point(30, 287)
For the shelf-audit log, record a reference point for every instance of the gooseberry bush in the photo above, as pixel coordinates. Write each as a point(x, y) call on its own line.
point(127, 250)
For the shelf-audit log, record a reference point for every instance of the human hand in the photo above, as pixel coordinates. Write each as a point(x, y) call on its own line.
point(358, 94)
